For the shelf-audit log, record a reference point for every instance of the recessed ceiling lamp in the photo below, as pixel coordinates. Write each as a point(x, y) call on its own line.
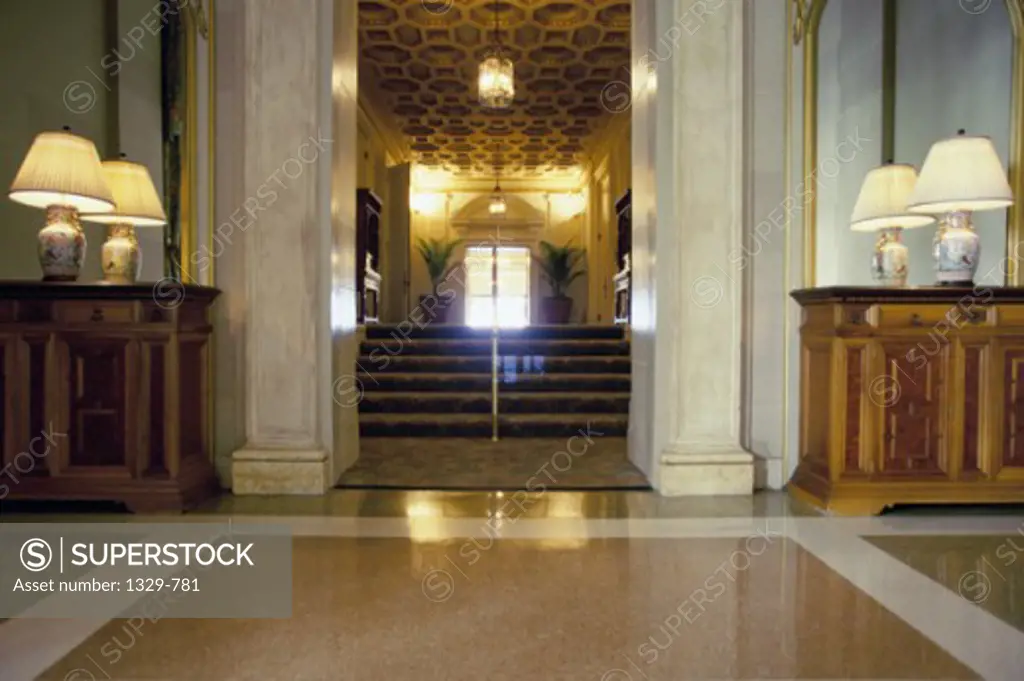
point(497, 80)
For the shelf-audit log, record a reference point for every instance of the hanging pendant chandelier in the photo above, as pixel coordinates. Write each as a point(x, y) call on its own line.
point(497, 206)
point(497, 80)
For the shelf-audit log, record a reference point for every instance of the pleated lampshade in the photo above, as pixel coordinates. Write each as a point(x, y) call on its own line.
point(882, 202)
point(135, 198)
point(62, 169)
point(962, 173)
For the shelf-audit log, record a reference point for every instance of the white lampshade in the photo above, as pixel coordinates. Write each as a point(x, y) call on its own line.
point(962, 173)
point(882, 202)
point(62, 169)
point(135, 198)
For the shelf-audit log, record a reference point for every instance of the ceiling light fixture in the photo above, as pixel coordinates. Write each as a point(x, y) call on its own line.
point(497, 80)
point(498, 206)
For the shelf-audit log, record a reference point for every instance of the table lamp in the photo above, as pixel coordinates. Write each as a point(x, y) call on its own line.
point(882, 206)
point(960, 175)
point(62, 173)
point(136, 205)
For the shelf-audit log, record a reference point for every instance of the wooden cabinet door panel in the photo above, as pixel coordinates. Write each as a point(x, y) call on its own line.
point(29, 411)
point(1007, 459)
point(100, 395)
point(910, 395)
point(815, 404)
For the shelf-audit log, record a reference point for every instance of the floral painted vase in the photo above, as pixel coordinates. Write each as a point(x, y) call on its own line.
point(61, 245)
point(890, 262)
point(957, 251)
point(120, 256)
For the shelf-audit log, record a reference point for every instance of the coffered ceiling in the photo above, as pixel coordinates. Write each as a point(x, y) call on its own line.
point(420, 57)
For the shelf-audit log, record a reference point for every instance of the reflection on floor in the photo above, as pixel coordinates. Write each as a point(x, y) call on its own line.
point(540, 610)
point(537, 464)
point(596, 586)
point(987, 571)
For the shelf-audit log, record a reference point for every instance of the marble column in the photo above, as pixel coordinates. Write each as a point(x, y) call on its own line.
point(279, 225)
point(688, 150)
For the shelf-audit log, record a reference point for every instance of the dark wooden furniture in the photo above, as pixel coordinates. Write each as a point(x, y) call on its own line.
point(105, 393)
point(368, 277)
point(911, 395)
point(624, 250)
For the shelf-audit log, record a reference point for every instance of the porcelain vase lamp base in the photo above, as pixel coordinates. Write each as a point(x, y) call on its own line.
point(889, 264)
point(957, 250)
point(121, 256)
point(61, 245)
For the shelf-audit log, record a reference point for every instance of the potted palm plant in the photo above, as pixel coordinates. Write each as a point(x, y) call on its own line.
point(560, 266)
point(436, 253)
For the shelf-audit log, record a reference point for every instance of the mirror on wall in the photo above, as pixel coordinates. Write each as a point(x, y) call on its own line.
point(953, 70)
point(849, 139)
point(890, 78)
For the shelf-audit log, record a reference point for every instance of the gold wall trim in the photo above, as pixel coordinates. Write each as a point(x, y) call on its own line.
point(188, 216)
point(211, 140)
point(806, 20)
point(198, 24)
point(1015, 215)
point(211, 165)
point(787, 259)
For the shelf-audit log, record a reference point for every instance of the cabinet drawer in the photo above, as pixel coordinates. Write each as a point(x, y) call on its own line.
point(1009, 315)
point(100, 312)
point(928, 316)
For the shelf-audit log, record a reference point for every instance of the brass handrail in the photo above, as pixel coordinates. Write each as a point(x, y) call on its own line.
point(494, 344)
point(494, 383)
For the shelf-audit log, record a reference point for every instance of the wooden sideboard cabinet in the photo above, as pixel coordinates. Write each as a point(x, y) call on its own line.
point(911, 395)
point(105, 393)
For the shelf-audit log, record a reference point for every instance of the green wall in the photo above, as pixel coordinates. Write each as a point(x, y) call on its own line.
point(58, 67)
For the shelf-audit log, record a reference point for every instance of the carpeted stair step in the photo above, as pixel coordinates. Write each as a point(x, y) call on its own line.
point(425, 425)
point(465, 382)
point(566, 383)
point(508, 364)
point(553, 364)
point(425, 403)
point(476, 347)
point(480, 425)
point(563, 403)
point(563, 425)
point(401, 332)
point(409, 363)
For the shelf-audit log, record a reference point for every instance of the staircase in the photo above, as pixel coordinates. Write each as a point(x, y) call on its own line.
point(437, 381)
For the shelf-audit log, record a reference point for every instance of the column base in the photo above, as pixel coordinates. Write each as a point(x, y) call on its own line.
point(706, 470)
point(768, 473)
point(280, 471)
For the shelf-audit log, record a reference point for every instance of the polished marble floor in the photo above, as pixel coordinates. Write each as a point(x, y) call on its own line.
point(604, 586)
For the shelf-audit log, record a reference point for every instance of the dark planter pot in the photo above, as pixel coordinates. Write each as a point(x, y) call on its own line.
point(439, 313)
point(556, 310)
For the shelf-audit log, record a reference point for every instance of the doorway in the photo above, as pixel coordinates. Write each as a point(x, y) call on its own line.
point(498, 287)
